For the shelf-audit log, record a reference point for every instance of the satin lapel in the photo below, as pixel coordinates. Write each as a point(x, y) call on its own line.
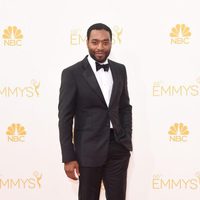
point(89, 76)
point(115, 76)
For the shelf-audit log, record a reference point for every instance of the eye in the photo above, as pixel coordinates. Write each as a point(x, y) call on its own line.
point(94, 42)
point(105, 42)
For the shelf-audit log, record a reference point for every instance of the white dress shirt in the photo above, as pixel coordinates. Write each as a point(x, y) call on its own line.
point(104, 79)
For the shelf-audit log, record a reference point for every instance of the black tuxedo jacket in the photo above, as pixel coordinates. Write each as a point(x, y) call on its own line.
point(81, 101)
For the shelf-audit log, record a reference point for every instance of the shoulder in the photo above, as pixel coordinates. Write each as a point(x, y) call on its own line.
point(121, 67)
point(74, 68)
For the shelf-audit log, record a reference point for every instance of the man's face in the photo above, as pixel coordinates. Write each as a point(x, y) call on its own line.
point(99, 45)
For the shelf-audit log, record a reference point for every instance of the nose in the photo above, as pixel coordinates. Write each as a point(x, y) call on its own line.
point(100, 46)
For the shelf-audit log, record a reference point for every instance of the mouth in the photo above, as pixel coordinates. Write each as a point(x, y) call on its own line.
point(100, 54)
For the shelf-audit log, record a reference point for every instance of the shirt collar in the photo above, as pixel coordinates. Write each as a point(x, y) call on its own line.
point(93, 62)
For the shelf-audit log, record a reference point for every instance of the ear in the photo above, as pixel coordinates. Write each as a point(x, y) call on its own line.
point(87, 42)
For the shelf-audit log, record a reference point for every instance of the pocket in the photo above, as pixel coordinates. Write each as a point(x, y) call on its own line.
point(122, 148)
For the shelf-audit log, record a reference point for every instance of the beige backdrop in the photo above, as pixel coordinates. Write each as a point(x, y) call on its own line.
point(158, 41)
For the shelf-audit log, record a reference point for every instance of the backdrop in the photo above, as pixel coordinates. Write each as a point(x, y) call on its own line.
point(158, 41)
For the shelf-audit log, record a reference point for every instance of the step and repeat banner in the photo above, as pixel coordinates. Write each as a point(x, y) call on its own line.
point(158, 41)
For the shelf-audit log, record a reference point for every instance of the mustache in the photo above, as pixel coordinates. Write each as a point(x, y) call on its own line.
point(99, 51)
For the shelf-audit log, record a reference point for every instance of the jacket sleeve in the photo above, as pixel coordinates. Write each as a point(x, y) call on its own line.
point(125, 109)
point(66, 108)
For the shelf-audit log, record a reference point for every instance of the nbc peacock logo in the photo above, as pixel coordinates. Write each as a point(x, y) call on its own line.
point(12, 36)
point(16, 133)
point(180, 34)
point(178, 132)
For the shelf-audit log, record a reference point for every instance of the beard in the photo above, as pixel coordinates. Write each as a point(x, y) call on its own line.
point(99, 56)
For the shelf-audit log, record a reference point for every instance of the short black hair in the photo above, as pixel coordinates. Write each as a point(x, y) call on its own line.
point(99, 26)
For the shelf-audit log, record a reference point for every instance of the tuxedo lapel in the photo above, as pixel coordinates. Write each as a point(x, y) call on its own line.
point(89, 76)
point(115, 76)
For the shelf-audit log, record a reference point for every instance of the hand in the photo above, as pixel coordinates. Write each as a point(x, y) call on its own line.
point(71, 169)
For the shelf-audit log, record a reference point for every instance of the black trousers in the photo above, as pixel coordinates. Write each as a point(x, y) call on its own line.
point(113, 174)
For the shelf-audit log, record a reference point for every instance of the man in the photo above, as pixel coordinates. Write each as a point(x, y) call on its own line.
point(94, 95)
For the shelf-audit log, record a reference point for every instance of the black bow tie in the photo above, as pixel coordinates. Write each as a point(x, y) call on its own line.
point(104, 66)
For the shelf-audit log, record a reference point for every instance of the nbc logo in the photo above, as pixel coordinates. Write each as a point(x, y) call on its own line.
point(16, 133)
point(180, 34)
point(178, 132)
point(12, 36)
